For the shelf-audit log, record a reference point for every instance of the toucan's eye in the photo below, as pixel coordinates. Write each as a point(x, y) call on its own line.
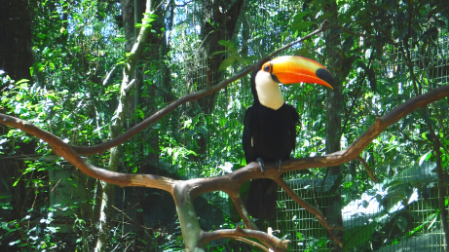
point(267, 67)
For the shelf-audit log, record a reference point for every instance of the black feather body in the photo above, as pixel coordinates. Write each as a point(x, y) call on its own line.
point(270, 135)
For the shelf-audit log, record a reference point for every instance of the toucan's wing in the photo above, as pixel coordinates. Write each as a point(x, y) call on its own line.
point(292, 127)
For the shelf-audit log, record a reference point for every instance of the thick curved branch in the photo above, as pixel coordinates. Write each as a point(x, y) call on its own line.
point(251, 243)
point(228, 182)
point(273, 242)
point(252, 170)
point(64, 150)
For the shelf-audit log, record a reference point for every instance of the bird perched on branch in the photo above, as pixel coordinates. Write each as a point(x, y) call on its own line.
point(269, 133)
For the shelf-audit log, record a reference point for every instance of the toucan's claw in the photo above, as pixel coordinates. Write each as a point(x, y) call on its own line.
point(261, 164)
point(278, 165)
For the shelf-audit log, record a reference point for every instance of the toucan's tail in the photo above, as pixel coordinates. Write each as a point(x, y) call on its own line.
point(261, 202)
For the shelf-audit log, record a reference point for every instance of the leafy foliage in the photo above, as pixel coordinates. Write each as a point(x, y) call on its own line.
point(390, 52)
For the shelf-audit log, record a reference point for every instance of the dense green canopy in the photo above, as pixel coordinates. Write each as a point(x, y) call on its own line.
point(66, 74)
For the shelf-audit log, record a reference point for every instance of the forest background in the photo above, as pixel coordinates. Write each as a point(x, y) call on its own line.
point(63, 66)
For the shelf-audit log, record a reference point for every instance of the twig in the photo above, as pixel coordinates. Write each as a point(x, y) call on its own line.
point(129, 218)
point(353, 33)
point(368, 170)
point(362, 79)
point(106, 79)
point(312, 210)
point(55, 185)
point(240, 206)
point(251, 243)
point(272, 241)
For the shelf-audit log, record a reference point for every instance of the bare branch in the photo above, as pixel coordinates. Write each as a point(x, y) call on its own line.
point(240, 206)
point(368, 170)
point(130, 219)
point(252, 170)
point(311, 209)
point(129, 86)
point(158, 115)
point(108, 76)
point(64, 150)
point(274, 243)
point(229, 182)
point(251, 243)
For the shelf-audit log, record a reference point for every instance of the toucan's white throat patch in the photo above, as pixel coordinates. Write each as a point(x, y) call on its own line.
point(268, 91)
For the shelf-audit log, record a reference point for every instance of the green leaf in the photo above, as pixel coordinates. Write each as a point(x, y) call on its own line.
point(302, 26)
point(226, 63)
point(17, 181)
point(358, 235)
point(425, 157)
point(224, 43)
point(228, 44)
point(402, 223)
point(22, 81)
point(217, 52)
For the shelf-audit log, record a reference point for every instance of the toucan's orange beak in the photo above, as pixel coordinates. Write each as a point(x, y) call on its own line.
point(296, 69)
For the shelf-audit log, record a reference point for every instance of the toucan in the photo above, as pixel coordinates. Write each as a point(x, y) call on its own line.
point(269, 133)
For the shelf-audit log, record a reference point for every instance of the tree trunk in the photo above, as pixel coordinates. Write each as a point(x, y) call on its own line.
point(107, 195)
point(219, 20)
point(15, 37)
point(15, 59)
point(333, 119)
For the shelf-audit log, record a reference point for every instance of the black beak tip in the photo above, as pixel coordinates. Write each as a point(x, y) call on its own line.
point(326, 76)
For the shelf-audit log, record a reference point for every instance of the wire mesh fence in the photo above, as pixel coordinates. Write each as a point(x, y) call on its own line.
point(418, 216)
point(415, 220)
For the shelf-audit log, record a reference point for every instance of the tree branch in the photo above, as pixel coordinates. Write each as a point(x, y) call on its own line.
point(368, 170)
point(158, 115)
point(272, 241)
point(229, 182)
point(321, 219)
point(240, 206)
point(252, 170)
point(64, 150)
point(190, 97)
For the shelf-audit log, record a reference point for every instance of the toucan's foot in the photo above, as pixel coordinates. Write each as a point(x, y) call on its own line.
point(278, 165)
point(261, 164)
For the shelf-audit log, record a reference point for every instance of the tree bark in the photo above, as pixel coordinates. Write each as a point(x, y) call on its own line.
point(16, 59)
point(15, 39)
point(333, 118)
